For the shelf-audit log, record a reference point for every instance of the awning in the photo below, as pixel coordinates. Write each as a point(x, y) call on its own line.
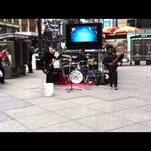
point(27, 33)
point(12, 35)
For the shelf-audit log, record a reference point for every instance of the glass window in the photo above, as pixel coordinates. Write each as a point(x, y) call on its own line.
point(143, 23)
point(1, 20)
point(16, 21)
point(131, 22)
point(1, 29)
point(24, 27)
point(14, 29)
point(8, 30)
point(146, 23)
point(9, 20)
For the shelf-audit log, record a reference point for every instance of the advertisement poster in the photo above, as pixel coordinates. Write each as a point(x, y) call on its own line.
point(137, 47)
point(147, 43)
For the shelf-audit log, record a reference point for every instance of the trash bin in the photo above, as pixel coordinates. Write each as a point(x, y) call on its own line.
point(39, 64)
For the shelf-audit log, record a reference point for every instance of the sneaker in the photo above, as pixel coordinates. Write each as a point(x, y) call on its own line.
point(115, 88)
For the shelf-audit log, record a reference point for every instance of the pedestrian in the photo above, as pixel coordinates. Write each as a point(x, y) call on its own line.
point(2, 79)
point(7, 58)
point(110, 61)
point(31, 52)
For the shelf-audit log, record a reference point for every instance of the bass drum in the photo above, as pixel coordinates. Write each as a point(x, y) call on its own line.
point(76, 76)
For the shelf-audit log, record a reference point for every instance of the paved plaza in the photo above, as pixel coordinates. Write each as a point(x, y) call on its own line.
point(25, 108)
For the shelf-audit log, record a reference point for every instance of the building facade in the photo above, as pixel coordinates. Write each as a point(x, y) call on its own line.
point(28, 25)
point(9, 25)
point(139, 23)
point(17, 25)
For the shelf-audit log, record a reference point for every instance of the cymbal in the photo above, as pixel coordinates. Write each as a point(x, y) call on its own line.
point(66, 56)
point(65, 59)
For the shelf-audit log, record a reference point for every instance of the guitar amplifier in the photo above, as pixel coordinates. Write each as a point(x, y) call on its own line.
point(54, 76)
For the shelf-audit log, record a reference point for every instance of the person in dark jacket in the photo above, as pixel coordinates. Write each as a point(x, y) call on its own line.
point(48, 60)
point(31, 52)
point(110, 61)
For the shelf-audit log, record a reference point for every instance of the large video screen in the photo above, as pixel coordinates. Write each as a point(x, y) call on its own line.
point(86, 36)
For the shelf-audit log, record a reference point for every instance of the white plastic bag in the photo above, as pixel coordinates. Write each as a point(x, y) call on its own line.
point(48, 89)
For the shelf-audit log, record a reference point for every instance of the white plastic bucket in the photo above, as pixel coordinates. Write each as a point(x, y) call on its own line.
point(48, 89)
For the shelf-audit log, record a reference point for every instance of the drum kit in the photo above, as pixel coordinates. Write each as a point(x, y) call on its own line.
point(76, 72)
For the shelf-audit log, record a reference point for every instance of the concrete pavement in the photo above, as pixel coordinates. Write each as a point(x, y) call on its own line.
point(25, 108)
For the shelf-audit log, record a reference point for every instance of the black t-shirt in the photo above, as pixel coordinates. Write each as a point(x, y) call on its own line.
point(81, 57)
point(47, 58)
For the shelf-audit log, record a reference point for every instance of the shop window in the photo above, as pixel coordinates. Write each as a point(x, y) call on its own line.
point(131, 22)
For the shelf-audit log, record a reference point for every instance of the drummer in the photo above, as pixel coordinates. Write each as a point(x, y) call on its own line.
point(81, 56)
point(81, 60)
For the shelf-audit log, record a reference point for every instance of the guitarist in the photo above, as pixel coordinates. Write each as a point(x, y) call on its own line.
point(47, 60)
point(110, 61)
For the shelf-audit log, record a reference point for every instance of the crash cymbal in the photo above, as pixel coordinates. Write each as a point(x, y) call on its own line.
point(66, 56)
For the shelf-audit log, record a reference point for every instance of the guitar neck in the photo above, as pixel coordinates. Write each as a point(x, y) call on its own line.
point(102, 66)
point(117, 58)
point(55, 59)
point(52, 62)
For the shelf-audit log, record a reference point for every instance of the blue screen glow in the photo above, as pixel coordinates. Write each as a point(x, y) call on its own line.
point(84, 34)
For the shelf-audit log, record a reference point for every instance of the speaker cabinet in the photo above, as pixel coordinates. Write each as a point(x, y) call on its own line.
point(54, 76)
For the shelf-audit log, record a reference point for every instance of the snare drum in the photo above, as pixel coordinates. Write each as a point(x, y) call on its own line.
point(83, 63)
point(76, 76)
point(73, 65)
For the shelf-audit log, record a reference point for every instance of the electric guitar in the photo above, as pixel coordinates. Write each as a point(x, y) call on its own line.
point(111, 67)
point(48, 68)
